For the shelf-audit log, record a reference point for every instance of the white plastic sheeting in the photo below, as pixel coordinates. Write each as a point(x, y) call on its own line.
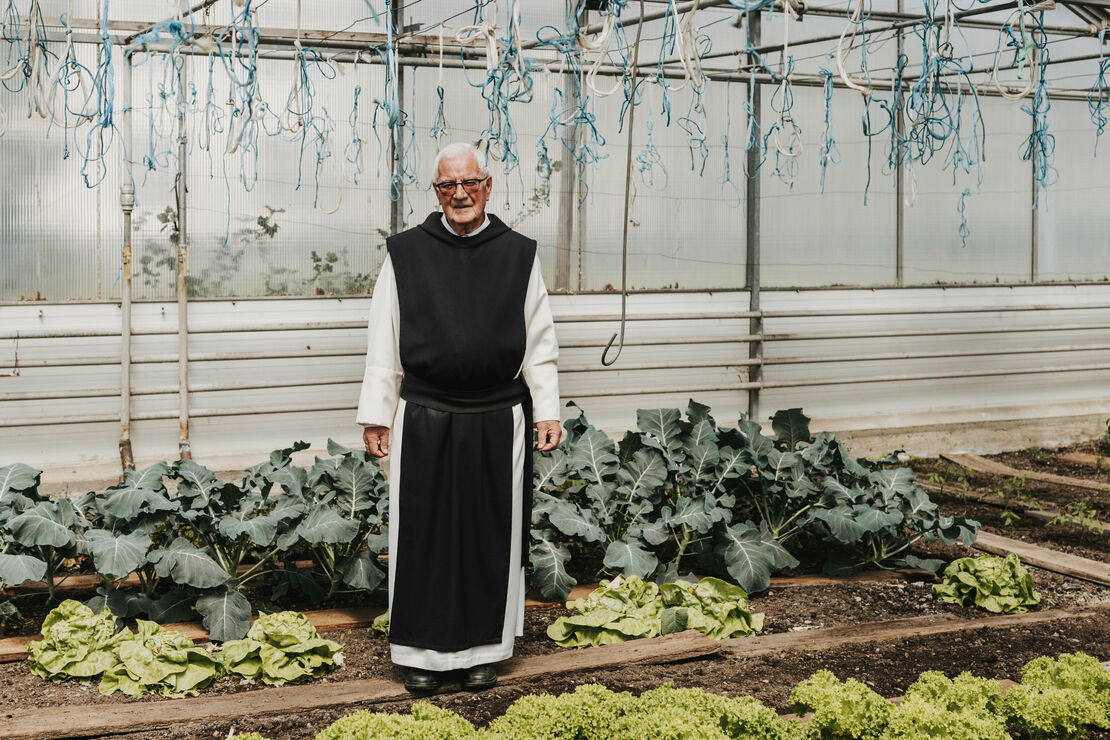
point(255, 390)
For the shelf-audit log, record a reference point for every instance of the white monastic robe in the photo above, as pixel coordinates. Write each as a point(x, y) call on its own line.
point(471, 316)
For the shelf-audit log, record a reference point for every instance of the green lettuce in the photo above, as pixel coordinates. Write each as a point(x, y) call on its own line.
point(281, 648)
point(1060, 697)
point(999, 585)
point(77, 643)
point(841, 710)
point(159, 661)
point(380, 625)
point(629, 608)
point(426, 722)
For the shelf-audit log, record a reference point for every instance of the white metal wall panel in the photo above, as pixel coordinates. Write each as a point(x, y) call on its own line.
point(253, 390)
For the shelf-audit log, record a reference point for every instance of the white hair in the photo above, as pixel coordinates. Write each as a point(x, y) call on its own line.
point(458, 150)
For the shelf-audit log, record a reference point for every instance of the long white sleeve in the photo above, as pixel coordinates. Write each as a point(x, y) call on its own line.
point(381, 385)
point(541, 352)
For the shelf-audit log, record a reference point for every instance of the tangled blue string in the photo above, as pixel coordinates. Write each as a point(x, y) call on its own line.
point(964, 231)
point(830, 150)
point(1040, 146)
point(1098, 96)
point(726, 177)
point(353, 152)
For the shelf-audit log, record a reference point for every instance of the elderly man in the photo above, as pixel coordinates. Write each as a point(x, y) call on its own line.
point(462, 357)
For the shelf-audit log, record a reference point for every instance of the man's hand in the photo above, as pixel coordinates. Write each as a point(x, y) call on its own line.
point(376, 440)
point(548, 434)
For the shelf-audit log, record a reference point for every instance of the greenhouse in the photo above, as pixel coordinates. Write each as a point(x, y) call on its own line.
point(771, 341)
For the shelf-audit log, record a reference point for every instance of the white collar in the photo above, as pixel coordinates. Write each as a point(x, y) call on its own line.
point(447, 225)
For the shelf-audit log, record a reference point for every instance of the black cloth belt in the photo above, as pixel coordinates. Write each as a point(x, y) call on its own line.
point(503, 396)
point(498, 397)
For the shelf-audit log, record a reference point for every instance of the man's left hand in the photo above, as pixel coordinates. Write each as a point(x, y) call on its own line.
point(548, 434)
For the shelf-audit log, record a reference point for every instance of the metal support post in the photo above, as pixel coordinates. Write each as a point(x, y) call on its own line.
point(127, 204)
point(899, 176)
point(396, 134)
point(751, 202)
point(181, 189)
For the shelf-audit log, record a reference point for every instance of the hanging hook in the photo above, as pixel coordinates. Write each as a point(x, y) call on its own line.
point(605, 361)
point(605, 353)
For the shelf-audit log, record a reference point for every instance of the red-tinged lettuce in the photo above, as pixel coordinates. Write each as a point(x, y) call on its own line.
point(76, 643)
point(281, 648)
point(159, 661)
point(999, 585)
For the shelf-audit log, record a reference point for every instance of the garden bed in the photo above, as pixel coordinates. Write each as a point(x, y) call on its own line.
point(888, 666)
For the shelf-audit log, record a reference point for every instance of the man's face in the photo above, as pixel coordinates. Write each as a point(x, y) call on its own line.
point(463, 209)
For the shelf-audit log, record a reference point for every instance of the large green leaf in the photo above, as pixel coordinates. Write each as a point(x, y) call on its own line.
point(663, 425)
point(874, 520)
point(175, 605)
point(688, 511)
point(549, 572)
point(549, 469)
point(290, 479)
point(791, 428)
point(731, 463)
point(841, 523)
point(260, 529)
point(643, 474)
point(698, 412)
point(226, 615)
point(117, 555)
point(747, 558)
point(323, 525)
point(630, 558)
point(575, 521)
point(187, 565)
point(141, 490)
point(361, 571)
point(892, 483)
point(15, 569)
point(360, 486)
point(17, 478)
point(47, 523)
point(196, 483)
point(594, 455)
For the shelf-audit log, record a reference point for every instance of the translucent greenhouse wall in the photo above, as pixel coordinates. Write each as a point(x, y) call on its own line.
point(308, 253)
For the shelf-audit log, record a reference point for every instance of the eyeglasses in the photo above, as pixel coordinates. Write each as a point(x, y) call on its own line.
point(448, 188)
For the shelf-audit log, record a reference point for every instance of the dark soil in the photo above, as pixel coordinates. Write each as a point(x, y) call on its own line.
point(888, 667)
point(1048, 461)
point(1028, 493)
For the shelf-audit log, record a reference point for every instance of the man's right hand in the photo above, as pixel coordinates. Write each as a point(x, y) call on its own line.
point(376, 440)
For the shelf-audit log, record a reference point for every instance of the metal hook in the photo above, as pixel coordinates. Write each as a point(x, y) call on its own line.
point(605, 352)
point(605, 361)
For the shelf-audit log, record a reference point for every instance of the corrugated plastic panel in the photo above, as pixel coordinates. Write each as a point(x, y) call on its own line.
point(314, 367)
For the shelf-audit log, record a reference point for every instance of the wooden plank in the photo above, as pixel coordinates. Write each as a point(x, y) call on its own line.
point(1040, 515)
point(112, 719)
point(1086, 458)
point(896, 629)
point(1053, 560)
point(992, 467)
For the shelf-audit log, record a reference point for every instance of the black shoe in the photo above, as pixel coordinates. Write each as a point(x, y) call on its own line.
point(421, 682)
point(479, 677)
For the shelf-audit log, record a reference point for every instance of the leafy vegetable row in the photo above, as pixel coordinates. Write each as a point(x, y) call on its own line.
point(1058, 698)
point(201, 547)
point(740, 503)
point(79, 644)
